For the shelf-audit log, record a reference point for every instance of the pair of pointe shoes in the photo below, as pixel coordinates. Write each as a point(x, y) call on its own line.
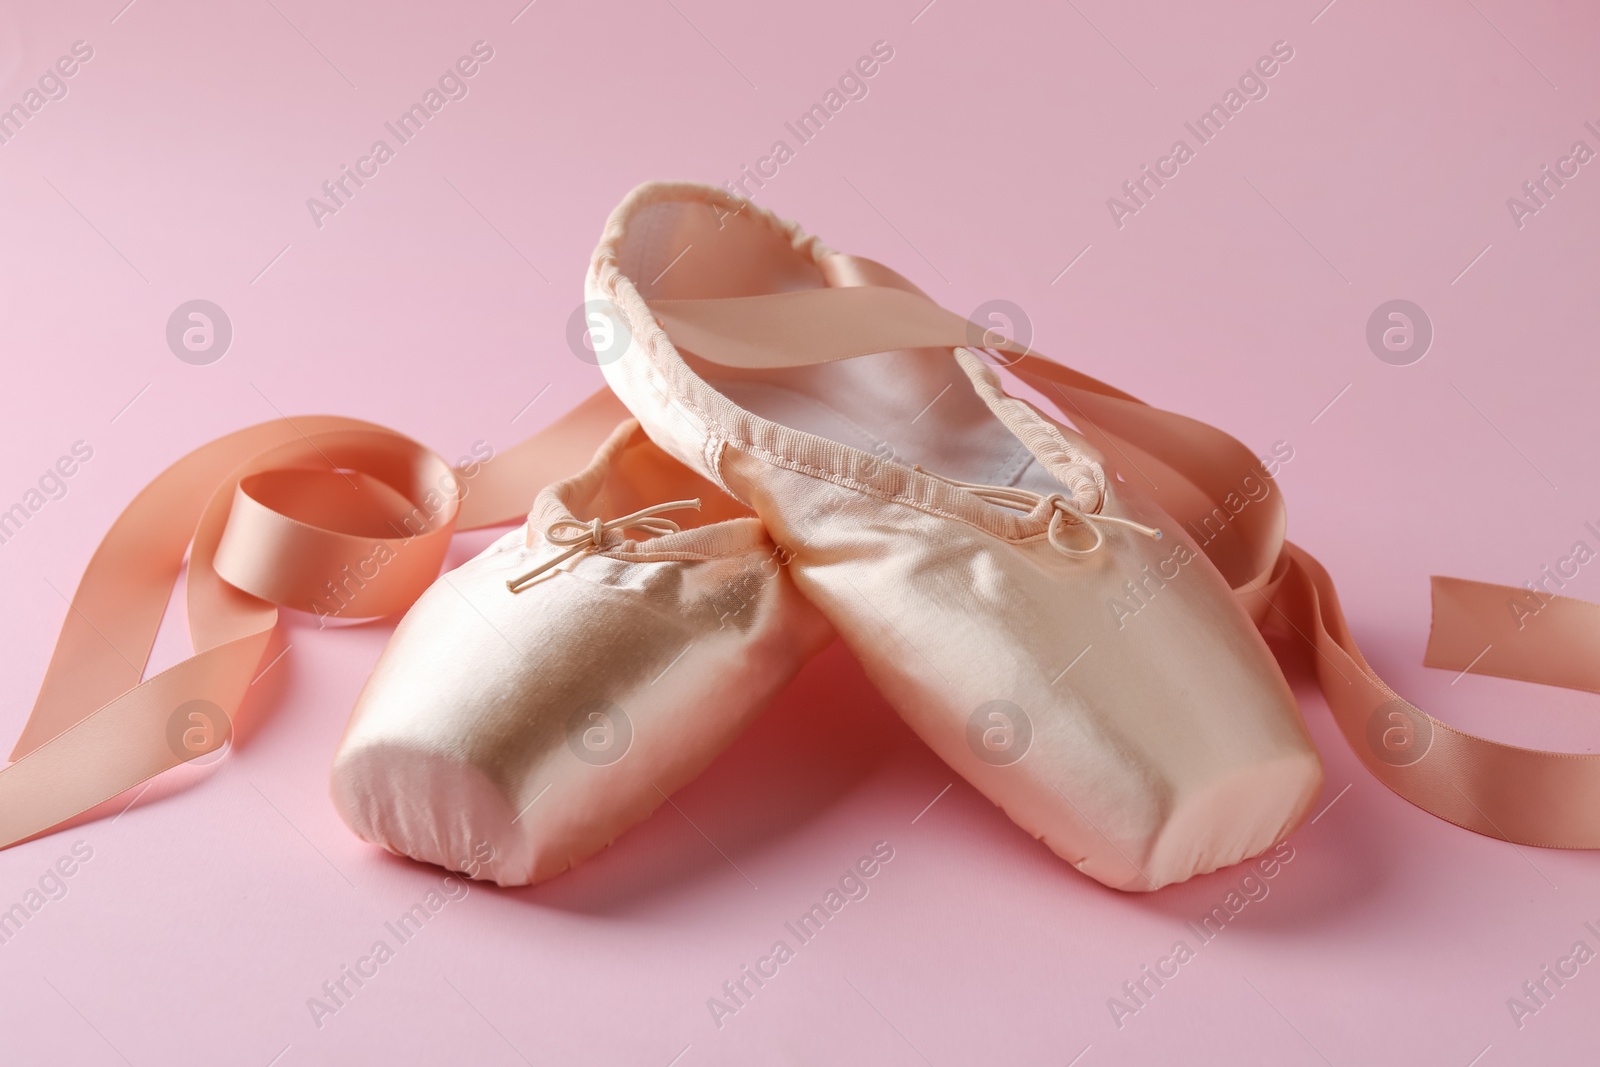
point(819, 449)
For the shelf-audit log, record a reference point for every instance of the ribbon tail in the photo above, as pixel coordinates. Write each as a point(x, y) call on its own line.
point(318, 513)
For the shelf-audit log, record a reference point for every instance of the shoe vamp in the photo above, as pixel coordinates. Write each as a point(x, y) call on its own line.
point(1129, 676)
point(674, 657)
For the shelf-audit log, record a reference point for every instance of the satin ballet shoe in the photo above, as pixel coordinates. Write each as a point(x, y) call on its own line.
point(1044, 626)
point(548, 694)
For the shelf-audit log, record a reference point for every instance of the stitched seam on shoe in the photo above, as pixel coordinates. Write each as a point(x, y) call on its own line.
point(712, 451)
point(661, 368)
point(672, 378)
point(846, 482)
point(659, 373)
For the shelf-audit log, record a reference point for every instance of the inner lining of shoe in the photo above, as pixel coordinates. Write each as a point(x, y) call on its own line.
point(912, 407)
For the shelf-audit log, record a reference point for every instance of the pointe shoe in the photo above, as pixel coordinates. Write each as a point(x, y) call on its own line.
point(550, 693)
point(1048, 630)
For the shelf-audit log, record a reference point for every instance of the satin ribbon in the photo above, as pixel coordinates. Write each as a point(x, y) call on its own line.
point(324, 514)
point(346, 518)
point(1527, 796)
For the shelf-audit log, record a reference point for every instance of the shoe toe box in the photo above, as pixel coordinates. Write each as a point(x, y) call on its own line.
point(512, 735)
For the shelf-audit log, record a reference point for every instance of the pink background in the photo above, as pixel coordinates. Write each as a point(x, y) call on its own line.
point(436, 301)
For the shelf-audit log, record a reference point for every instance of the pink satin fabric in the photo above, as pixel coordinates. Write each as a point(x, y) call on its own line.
point(977, 557)
point(273, 514)
point(318, 513)
point(1527, 796)
point(513, 735)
